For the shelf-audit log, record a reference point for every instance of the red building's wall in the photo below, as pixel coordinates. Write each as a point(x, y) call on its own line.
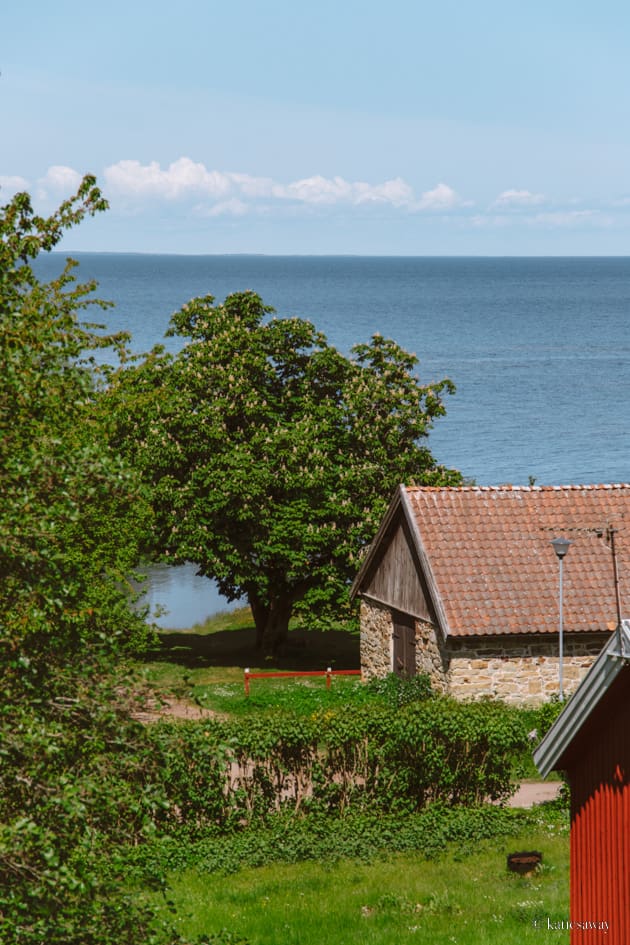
point(599, 775)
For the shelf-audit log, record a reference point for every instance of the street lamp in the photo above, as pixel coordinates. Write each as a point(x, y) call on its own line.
point(561, 546)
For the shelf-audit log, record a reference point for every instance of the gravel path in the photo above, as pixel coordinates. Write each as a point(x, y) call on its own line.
point(529, 793)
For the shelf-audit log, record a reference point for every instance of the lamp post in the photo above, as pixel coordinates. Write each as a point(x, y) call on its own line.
point(561, 546)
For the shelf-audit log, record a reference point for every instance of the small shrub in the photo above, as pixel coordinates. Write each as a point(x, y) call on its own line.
point(397, 691)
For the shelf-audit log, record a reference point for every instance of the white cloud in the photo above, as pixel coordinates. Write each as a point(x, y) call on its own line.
point(185, 179)
point(12, 184)
point(337, 190)
point(58, 180)
point(254, 187)
point(396, 191)
point(518, 198)
point(317, 190)
point(441, 197)
point(206, 192)
point(232, 208)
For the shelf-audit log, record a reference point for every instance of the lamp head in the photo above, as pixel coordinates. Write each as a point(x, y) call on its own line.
point(561, 546)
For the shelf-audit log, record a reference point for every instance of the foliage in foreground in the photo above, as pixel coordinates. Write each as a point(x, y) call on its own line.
point(363, 836)
point(72, 514)
point(271, 456)
point(74, 779)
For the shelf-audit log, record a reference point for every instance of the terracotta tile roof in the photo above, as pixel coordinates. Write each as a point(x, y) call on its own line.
point(493, 566)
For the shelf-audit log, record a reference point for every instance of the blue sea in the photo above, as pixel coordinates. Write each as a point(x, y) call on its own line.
point(538, 348)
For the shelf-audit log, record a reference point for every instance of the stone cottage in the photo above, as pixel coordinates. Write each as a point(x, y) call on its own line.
point(463, 584)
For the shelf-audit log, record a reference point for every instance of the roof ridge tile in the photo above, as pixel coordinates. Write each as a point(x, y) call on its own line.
point(508, 487)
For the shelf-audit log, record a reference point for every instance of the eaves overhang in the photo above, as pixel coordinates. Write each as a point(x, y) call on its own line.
point(600, 677)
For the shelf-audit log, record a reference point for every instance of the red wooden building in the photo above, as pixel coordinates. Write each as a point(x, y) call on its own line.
point(590, 741)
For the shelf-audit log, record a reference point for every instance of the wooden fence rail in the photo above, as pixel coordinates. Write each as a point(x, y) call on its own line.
point(328, 673)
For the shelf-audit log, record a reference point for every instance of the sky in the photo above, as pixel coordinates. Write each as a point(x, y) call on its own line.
point(399, 128)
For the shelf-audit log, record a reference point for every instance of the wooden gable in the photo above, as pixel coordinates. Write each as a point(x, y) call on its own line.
point(395, 576)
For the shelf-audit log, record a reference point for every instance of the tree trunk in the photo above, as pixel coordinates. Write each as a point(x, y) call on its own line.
point(259, 613)
point(272, 621)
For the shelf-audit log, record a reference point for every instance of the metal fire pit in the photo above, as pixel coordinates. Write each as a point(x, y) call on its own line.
point(524, 862)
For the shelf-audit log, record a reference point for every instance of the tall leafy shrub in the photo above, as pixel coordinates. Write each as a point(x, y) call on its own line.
point(75, 773)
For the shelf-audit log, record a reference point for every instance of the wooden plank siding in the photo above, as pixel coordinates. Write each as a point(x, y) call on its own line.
point(395, 578)
point(598, 769)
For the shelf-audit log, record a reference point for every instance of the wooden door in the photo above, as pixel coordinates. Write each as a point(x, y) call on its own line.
point(404, 644)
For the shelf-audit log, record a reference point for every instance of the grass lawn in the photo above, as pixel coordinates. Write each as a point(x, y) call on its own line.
point(205, 664)
point(465, 896)
point(468, 899)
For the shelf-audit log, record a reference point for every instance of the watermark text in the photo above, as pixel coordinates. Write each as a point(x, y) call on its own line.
point(567, 925)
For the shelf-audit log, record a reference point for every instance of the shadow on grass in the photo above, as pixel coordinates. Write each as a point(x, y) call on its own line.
point(304, 650)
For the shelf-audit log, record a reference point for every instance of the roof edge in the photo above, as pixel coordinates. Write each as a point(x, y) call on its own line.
point(613, 657)
point(425, 564)
point(400, 500)
point(509, 487)
point(372, 551)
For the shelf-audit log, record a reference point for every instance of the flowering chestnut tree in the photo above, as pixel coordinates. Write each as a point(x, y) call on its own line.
point(271, 455)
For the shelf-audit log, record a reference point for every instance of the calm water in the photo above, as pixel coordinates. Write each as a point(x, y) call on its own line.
point(539, 349)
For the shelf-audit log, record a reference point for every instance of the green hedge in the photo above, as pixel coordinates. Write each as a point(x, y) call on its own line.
point(358, 758)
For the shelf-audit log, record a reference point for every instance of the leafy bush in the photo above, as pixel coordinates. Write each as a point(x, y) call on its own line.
point(362, 757)
point(397, 691)
point(76, 775)
point(359, 836)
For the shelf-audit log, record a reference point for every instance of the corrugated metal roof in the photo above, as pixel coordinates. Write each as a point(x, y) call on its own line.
point(493, 566)
point(600, 677)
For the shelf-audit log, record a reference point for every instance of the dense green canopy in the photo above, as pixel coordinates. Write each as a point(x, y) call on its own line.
point(71, 509)
point(271, 455)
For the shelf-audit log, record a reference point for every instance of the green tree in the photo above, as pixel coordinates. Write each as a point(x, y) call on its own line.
point(72, 522)
point(72, 511)
point(272, 456)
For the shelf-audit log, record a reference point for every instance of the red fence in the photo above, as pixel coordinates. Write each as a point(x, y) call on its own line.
point(328, 673)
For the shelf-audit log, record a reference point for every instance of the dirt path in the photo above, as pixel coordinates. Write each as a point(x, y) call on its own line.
point(529, 793)
point(173, 708)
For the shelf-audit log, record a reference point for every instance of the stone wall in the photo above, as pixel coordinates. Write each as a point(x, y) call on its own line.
point(377, 628)
point(431, 657)
point(519, 670)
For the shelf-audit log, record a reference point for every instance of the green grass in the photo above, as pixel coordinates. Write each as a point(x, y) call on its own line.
point(205, 664)
point(467, 898)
